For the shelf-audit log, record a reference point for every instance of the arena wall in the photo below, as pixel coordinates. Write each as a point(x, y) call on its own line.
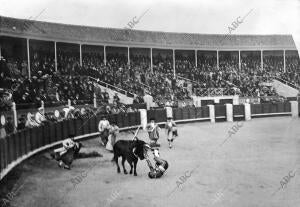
point(23, 144)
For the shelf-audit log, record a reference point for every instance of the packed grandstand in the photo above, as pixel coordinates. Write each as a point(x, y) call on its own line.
point(54, 63)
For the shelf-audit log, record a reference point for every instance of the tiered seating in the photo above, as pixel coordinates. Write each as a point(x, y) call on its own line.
point(70, 82)
point(292, 73)
point(273, 64)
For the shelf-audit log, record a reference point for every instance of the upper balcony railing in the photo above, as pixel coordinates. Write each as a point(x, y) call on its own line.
point(115, 88)
point(288, 83)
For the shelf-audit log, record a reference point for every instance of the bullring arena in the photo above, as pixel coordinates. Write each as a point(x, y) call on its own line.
point(74, 97)
point(245, 171)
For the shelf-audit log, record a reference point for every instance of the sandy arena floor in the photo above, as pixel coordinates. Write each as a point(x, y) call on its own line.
point(245, 171)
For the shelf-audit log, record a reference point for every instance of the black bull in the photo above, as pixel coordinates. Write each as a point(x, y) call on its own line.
point(129, 150)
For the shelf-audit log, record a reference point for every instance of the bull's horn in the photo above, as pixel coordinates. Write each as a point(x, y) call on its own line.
point(147, 146)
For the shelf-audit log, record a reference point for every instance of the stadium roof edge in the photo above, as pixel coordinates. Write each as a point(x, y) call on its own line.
point(151, 31)
point(92, 34)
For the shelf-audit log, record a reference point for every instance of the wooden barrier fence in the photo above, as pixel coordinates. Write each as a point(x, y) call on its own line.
point(18, 146)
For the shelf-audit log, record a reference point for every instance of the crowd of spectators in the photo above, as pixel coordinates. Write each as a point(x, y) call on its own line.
point(273, 64)
point(229, 80)
point(136, 78)
point(70, 80)
point(41, 64)
point(292, 73)
point(31, 120)
point(45, 83)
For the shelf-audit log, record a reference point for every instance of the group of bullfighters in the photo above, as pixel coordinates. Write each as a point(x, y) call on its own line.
point(108, 133)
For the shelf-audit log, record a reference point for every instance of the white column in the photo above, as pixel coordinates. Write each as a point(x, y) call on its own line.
point(57, 96)
point(199, 102)
point(14, 109)
point(43, 107)
point(195, 100)
point(294, 109)
point(95, 101)
point(247, 111)
point(239, 60)
point(174, 63)
point(196, 61)
point(80, 54)
point(28, 59)
point(104, 54)
point(218, 59)
point(212, 113)
point(128, 58)
point(169, 111)
point(55, 56)
point(235, 100)
point(261, 60)
point(143, 116)
point(151, 60)
point(284, 63)
point(229, 112)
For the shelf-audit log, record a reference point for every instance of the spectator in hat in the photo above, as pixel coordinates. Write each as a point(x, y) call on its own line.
point(68, 111)
point(107, 110)
point(21, 123)
point(106, 96)
point(129, 110)
point(2, 130)
point(30, 122)
point(116, 99)
point(115, 110)
point(9, 126)
point(39, 116)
